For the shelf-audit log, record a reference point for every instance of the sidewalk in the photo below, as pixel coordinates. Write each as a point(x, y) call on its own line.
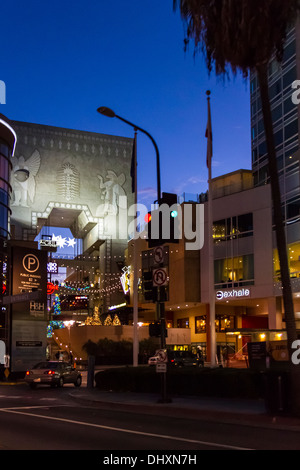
point(232, 411)
point(247, 412)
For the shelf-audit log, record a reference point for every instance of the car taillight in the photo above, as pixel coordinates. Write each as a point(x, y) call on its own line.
point(49, 372)
point(172, 360)
point(28, 372)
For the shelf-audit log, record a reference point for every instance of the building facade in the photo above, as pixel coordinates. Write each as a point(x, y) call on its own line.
point(8, 140)
point(286, 124)
point(74, 188)
point(247, 304)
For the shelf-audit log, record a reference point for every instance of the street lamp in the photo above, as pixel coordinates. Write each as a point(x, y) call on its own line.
point(111, 114)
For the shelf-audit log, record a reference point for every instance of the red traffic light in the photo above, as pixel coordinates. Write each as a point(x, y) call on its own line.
point(148, 218)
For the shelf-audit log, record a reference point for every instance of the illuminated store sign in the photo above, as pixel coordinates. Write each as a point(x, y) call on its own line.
point(125, 279)
point(114, 307)
point(52, 267)
point(233, 294)
point(48, 243)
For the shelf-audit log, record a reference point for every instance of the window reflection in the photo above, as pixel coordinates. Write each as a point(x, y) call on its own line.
point(232, 228)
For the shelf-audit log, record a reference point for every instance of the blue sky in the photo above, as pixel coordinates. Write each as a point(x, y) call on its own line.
point(61, 60)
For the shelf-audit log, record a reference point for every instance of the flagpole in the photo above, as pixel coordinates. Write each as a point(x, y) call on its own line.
point(135, 266)
point(211, 277)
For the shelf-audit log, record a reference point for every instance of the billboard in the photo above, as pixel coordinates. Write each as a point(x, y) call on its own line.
point(29, 307)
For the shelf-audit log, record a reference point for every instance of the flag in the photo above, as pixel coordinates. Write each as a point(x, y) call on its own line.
point(209, 137)
point(133, 166)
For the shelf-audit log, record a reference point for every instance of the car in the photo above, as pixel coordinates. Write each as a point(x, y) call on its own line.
point(185, 359)
point(152, 361)
point(53, 373)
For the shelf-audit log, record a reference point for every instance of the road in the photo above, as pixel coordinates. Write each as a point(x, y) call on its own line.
point(50, 419)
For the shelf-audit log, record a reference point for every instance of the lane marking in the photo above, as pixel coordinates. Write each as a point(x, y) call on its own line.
point(30, 407)
point(127, 431)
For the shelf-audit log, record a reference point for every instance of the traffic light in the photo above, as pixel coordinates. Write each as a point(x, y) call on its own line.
point(155, 330)
point(163, 223)
point(147, 286)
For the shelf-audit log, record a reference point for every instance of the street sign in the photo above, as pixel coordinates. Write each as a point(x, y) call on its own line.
point(2, 352)
point(161, 368)
point(160, 277)
point(159, 255)
point(18, 298)
point(162, 355)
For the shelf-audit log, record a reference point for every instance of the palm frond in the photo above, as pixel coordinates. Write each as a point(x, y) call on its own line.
point(237, 34)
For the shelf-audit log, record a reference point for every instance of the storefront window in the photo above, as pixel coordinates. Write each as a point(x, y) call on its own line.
point(222, 322)
point(200, 324)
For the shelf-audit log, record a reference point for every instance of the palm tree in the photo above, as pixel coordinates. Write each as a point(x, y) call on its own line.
point(243, 35)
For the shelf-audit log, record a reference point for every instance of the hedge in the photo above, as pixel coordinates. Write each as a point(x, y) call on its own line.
point(230, 383)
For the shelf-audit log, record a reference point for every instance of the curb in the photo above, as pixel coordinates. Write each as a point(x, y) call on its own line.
point(12, 383)
point(224, 417)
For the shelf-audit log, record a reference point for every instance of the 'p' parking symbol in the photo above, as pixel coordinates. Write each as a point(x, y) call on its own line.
point(31, 263)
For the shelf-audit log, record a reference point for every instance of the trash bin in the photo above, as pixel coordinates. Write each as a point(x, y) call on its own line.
point(276, 392)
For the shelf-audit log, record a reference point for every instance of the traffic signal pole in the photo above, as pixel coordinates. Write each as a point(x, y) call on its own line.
point(160, 311)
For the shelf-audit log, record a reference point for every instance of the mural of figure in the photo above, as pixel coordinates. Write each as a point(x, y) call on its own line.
point(23, 179)
point(112, 189)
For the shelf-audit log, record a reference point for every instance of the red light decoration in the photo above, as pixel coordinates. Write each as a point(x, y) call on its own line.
point(51, 288)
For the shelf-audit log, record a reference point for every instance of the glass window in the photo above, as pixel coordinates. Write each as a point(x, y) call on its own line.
point(289, 78)
point(275, 89)
point(225, 322)
point(289, 50)
point(248, 267)
point(277, 113)
point(200, 324)
point(253, 85)
point(294, 260)
point(291, 129)
point(280, 162)
point(219, 230)
point(260, 127)
point(232, 272)
point(289, 106)
point(291, 158)
point(292, 181)
point(183, 323)
point(262, 149)
point(278, 137)
point(293, 208)
point(254, 155)
point(245, 224)
point(274, 67)
point(264, 174)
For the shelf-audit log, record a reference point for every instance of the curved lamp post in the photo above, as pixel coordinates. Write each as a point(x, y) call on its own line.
point(110, 113)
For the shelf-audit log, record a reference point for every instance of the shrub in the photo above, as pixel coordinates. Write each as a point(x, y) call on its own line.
point(229, 383)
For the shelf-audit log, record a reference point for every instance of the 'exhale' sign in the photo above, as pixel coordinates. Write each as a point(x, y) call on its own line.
point(233, 294)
